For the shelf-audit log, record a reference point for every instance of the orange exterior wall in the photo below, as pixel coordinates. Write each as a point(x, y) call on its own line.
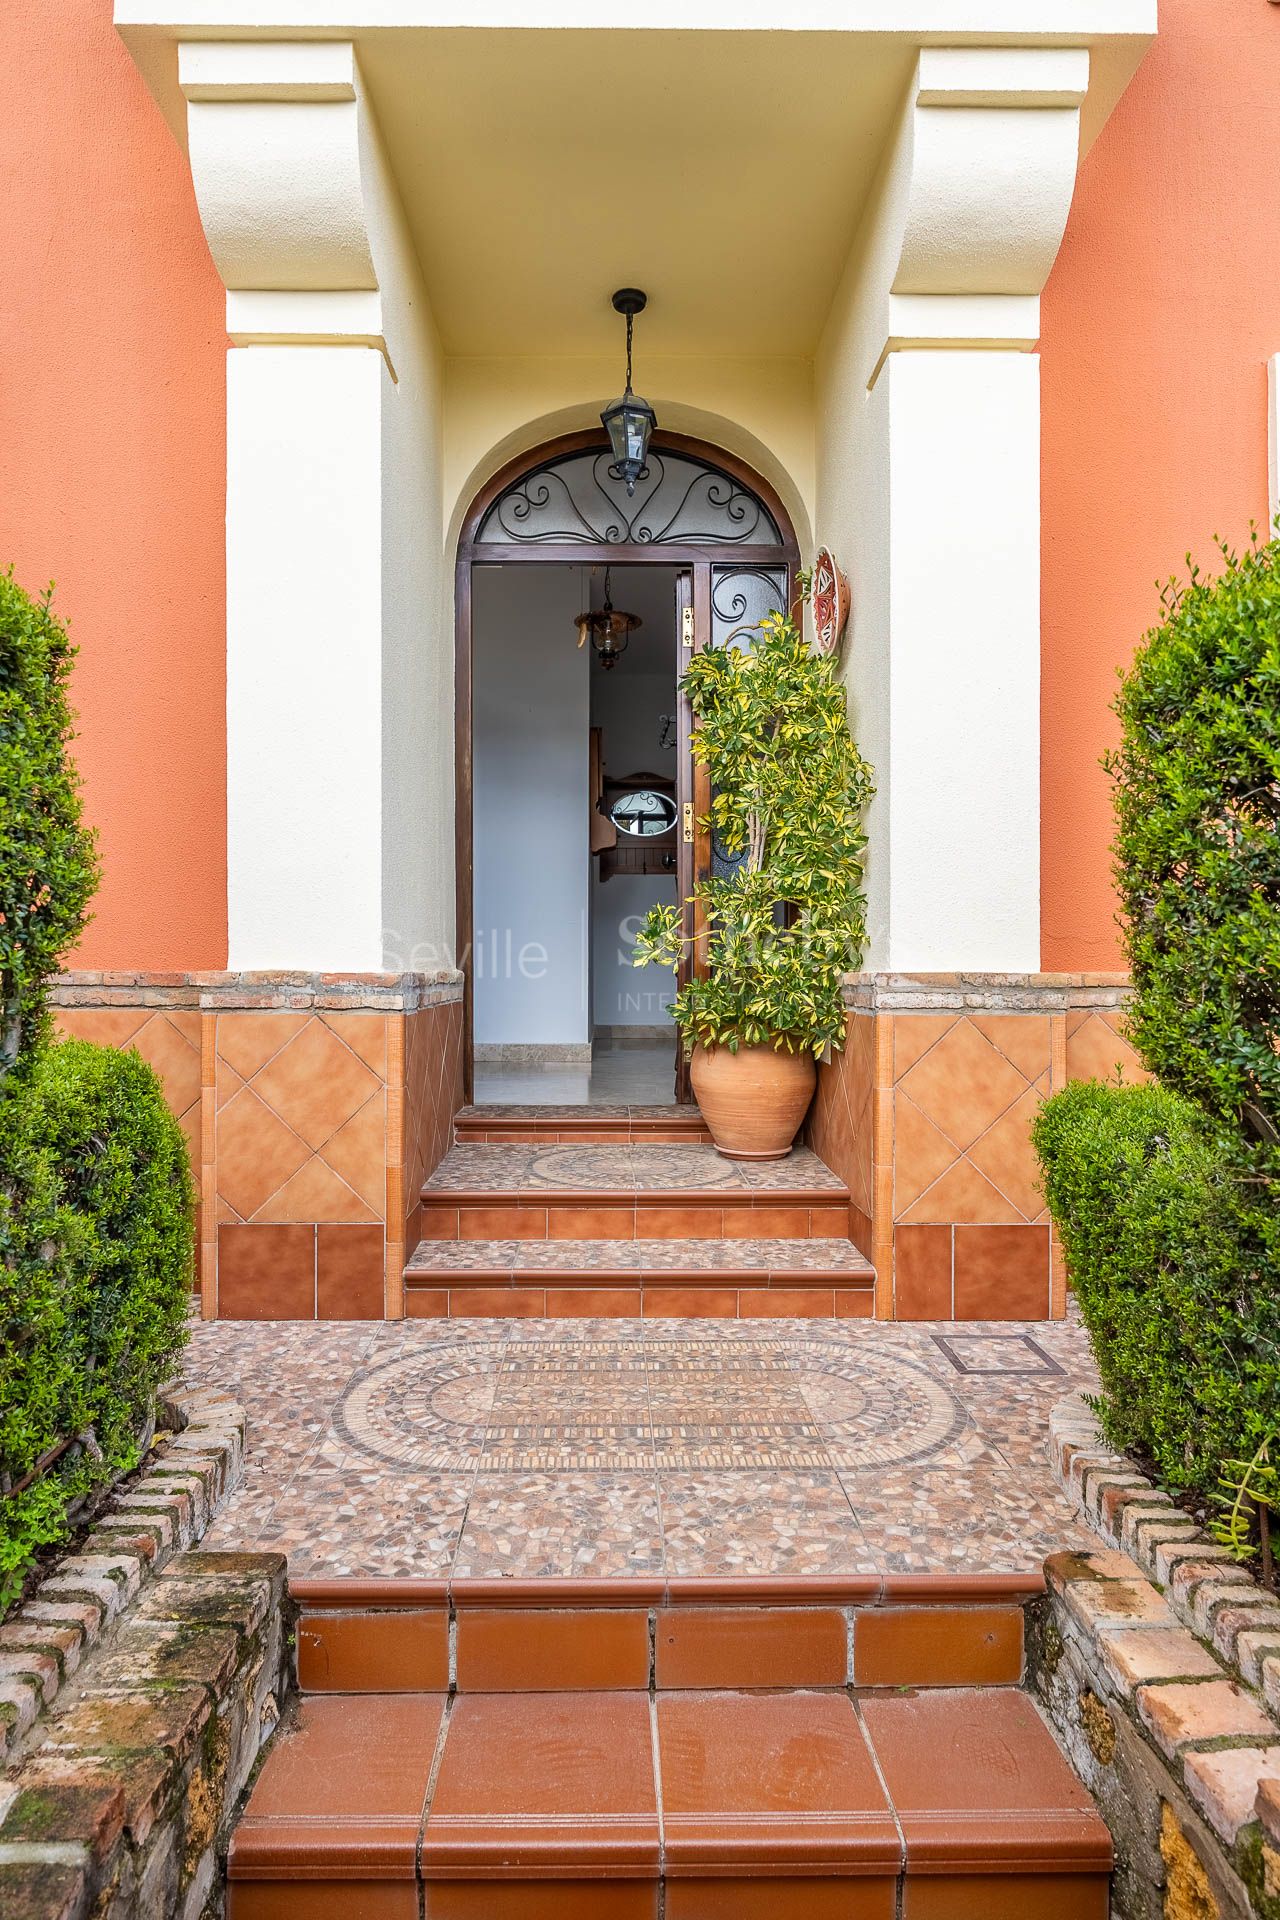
point(1158, 321)
point(1157, 324)
point(112, 465)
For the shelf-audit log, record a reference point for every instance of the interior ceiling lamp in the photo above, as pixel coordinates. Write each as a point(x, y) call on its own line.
point(609, 629)
point(629, 421)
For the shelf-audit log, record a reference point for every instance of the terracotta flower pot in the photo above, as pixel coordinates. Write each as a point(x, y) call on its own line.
point(752, 1100)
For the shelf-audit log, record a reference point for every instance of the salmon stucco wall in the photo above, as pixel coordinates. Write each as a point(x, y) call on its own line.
point(1157, 324)
point(112, 465)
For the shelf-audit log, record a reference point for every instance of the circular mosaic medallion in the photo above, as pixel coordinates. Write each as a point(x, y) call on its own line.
point(765, 1400)
point(593, 1169)
point(422, 1410)
point(876, 1409)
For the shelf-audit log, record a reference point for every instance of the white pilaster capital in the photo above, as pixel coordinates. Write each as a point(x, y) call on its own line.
point(277, 157)
point(982, 177)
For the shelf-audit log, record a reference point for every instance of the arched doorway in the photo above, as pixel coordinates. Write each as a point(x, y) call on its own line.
point(718, 530)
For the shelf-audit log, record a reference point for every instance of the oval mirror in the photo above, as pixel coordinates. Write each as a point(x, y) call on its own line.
point(643, 813)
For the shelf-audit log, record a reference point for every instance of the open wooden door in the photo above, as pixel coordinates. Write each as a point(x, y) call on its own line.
point(687, 849)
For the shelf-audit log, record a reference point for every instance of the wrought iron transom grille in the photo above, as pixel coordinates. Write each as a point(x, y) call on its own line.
point(678, 501)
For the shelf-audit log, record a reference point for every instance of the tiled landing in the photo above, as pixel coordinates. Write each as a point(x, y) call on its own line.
point(619, 1805)
point(537, 1449)
point(693, 1168)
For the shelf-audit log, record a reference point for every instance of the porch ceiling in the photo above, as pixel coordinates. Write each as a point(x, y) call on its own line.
point(722, 171)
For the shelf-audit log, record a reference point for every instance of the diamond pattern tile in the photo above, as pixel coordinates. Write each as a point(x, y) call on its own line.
point(967, 1090)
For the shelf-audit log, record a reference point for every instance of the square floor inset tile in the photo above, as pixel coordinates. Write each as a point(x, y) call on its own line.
point(996, 1353)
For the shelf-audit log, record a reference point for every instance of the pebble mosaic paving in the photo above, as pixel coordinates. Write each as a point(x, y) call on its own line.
point(543, 1448)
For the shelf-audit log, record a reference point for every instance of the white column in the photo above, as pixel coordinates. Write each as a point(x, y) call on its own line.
point(964, 662)
point(333, 611)
point(304, 658)
point(929, 382)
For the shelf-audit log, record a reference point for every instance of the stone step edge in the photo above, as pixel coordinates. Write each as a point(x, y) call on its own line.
point(737, 1199)
point(392, 1592)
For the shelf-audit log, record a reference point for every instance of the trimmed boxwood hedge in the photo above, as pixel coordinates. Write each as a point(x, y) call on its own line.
point(96, 1247)
point(1197, 851)
point(1172, 1259)
point(48, 859)
point(1166, 1196)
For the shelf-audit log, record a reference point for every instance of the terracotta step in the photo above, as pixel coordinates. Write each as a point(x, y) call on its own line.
point(631, 1191)
point(494, 1125)
point(651, 1279)
point(615, 1802)
point(517, 1750)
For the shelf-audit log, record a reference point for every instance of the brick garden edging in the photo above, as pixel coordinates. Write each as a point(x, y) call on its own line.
point(1158, 1665)
point(137, 1687)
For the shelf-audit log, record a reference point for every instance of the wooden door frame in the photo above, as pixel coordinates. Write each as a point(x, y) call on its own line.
point(569, 553)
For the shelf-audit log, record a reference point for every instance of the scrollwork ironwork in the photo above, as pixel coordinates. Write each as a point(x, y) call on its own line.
point(576, 501)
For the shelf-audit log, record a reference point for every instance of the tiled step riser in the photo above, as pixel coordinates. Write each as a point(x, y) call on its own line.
point(583, 1301)
point(592, 1217)
point(473, 1648)
point(580, 1126)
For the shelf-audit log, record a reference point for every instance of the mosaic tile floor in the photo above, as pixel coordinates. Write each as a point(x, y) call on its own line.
point(518, 1168)
point(734, 1257)
point(543, 1448)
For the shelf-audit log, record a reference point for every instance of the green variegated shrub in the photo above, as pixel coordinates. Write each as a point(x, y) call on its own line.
point(789, 789)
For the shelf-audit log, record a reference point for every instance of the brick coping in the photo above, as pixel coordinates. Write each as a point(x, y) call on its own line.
point(254, 990)
point(165, 1511)
point(984, 992)
point(1179, 1636)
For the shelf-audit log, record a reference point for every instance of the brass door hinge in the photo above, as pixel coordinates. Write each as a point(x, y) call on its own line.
point(686, 627)
point(687, 811)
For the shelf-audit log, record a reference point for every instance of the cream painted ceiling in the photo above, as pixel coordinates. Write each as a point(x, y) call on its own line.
point(723, 173)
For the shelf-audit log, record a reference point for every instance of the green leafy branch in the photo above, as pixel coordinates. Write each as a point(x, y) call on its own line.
point(1251, 1494)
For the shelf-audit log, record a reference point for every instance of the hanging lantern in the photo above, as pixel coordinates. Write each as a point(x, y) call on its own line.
point(608, 629)
point(630, 420)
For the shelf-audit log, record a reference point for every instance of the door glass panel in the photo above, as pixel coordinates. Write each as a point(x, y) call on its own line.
point(740, 599)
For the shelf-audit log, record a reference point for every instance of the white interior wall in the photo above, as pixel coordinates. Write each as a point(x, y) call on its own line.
point(531, 719)
point(627, 703)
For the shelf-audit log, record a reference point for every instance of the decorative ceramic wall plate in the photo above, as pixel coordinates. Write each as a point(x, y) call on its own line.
point(831, 601)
